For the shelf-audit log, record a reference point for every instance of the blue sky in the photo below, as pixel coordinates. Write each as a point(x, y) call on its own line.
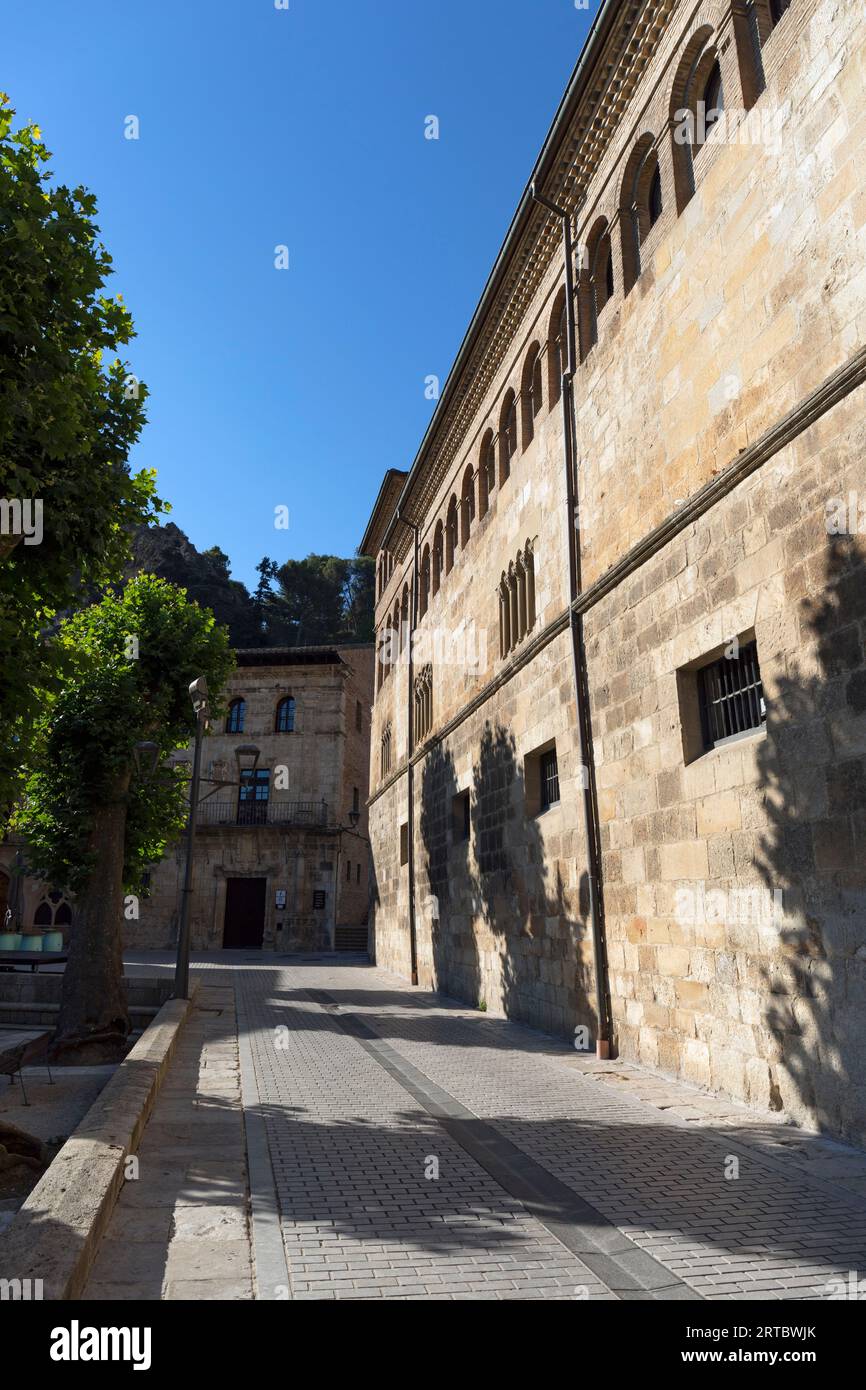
point(303, 127)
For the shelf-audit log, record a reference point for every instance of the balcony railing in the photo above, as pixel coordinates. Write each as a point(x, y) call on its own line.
point(246, 813)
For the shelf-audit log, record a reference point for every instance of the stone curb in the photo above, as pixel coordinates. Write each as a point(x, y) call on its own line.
point(56, 1233)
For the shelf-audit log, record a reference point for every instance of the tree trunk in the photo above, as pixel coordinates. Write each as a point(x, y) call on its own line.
point(93, 1023)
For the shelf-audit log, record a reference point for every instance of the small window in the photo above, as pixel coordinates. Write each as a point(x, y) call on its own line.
point(404, 843)
point(549, 778)
point(731, 696)
point(359, 715)
point(348, 871)
point(253, 794)
point(461, 816)
point(286, 716)
point(236, 715)
point(356, 799)
point(318, 900)
point(713, 98)
point(63, 915)
point(655, 197)
point(43, 915)
point(357, 873)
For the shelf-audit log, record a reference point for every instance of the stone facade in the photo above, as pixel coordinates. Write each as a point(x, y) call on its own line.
point(317, 772)
point(292, 843)
point(717, 431)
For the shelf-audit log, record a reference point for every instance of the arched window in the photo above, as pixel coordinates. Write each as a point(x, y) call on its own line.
point(43, 916)
point(467, 506)
point(596, 283)
point(530, 392)
point(397, 637)
point(450, 534)
point(236, 716)
point(438, 556)
point(640, 205)
point(486, 473)
point(385, 751)
point(63, 916)
point(285, 722)
point(697, 102)
point(507, 435)
point(424, 594)
point(557, 348)
point(517, 600)
point(404, 619)
point(713, 98)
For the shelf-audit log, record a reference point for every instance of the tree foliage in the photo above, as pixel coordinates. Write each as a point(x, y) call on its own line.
point(309, 602)
point(70, 411)
point(129, 659)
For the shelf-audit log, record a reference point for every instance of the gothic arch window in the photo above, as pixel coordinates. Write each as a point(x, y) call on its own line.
point(44, 915)
point(467, 506)
point(385, 751)
point(557, 348)
point(285, 720)
point(63, 915)
point(507, 435)
point(486, 473)
point(423, 703)
point(640, 205)
point(451, 534)
point(438, 556)
point(517, 600)
point(530, 392)
point(396, 636)
point(424, 594)
point(236, 716)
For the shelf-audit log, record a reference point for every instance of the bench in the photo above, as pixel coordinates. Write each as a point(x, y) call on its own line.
point(9, 959)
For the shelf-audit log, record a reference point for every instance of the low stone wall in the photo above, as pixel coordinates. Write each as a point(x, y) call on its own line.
point(29, 999)
point(56, 1233)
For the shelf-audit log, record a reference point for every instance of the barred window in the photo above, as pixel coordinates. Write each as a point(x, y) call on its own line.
point(549, 770)
point(731, 696)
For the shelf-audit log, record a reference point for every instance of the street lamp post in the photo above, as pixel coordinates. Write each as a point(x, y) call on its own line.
point(199, 696)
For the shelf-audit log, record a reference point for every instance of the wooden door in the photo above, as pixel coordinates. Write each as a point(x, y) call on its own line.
point(244, 923)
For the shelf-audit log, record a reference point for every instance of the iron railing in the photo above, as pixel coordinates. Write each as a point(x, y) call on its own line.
point(246, 813)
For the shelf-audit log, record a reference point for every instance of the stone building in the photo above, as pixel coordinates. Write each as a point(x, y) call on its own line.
point(282, 858)
point(282, 861)
point(618, 768)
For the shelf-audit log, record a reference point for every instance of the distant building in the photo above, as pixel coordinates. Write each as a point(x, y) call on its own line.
point(279, 864)
point(281, 860)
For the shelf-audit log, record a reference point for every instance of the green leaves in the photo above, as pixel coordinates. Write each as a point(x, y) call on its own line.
point(67, 422)
point(110, 700)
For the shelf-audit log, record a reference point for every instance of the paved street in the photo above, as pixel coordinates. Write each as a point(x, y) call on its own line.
point(401, 1146)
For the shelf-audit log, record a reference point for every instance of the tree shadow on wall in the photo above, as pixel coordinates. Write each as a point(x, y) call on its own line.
point(812, 764)
point(497, 891)
point(445, 904)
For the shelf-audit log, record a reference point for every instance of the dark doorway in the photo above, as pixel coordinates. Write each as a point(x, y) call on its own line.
point(244, 924)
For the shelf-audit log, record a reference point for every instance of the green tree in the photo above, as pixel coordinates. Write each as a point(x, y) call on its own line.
point(322, 598)
point(70, 411)
point(91, 825)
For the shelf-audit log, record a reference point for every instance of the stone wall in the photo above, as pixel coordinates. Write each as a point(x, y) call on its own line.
point(726, 316)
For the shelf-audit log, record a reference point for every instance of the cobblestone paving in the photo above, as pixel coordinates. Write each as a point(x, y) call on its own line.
point(349, 1145)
